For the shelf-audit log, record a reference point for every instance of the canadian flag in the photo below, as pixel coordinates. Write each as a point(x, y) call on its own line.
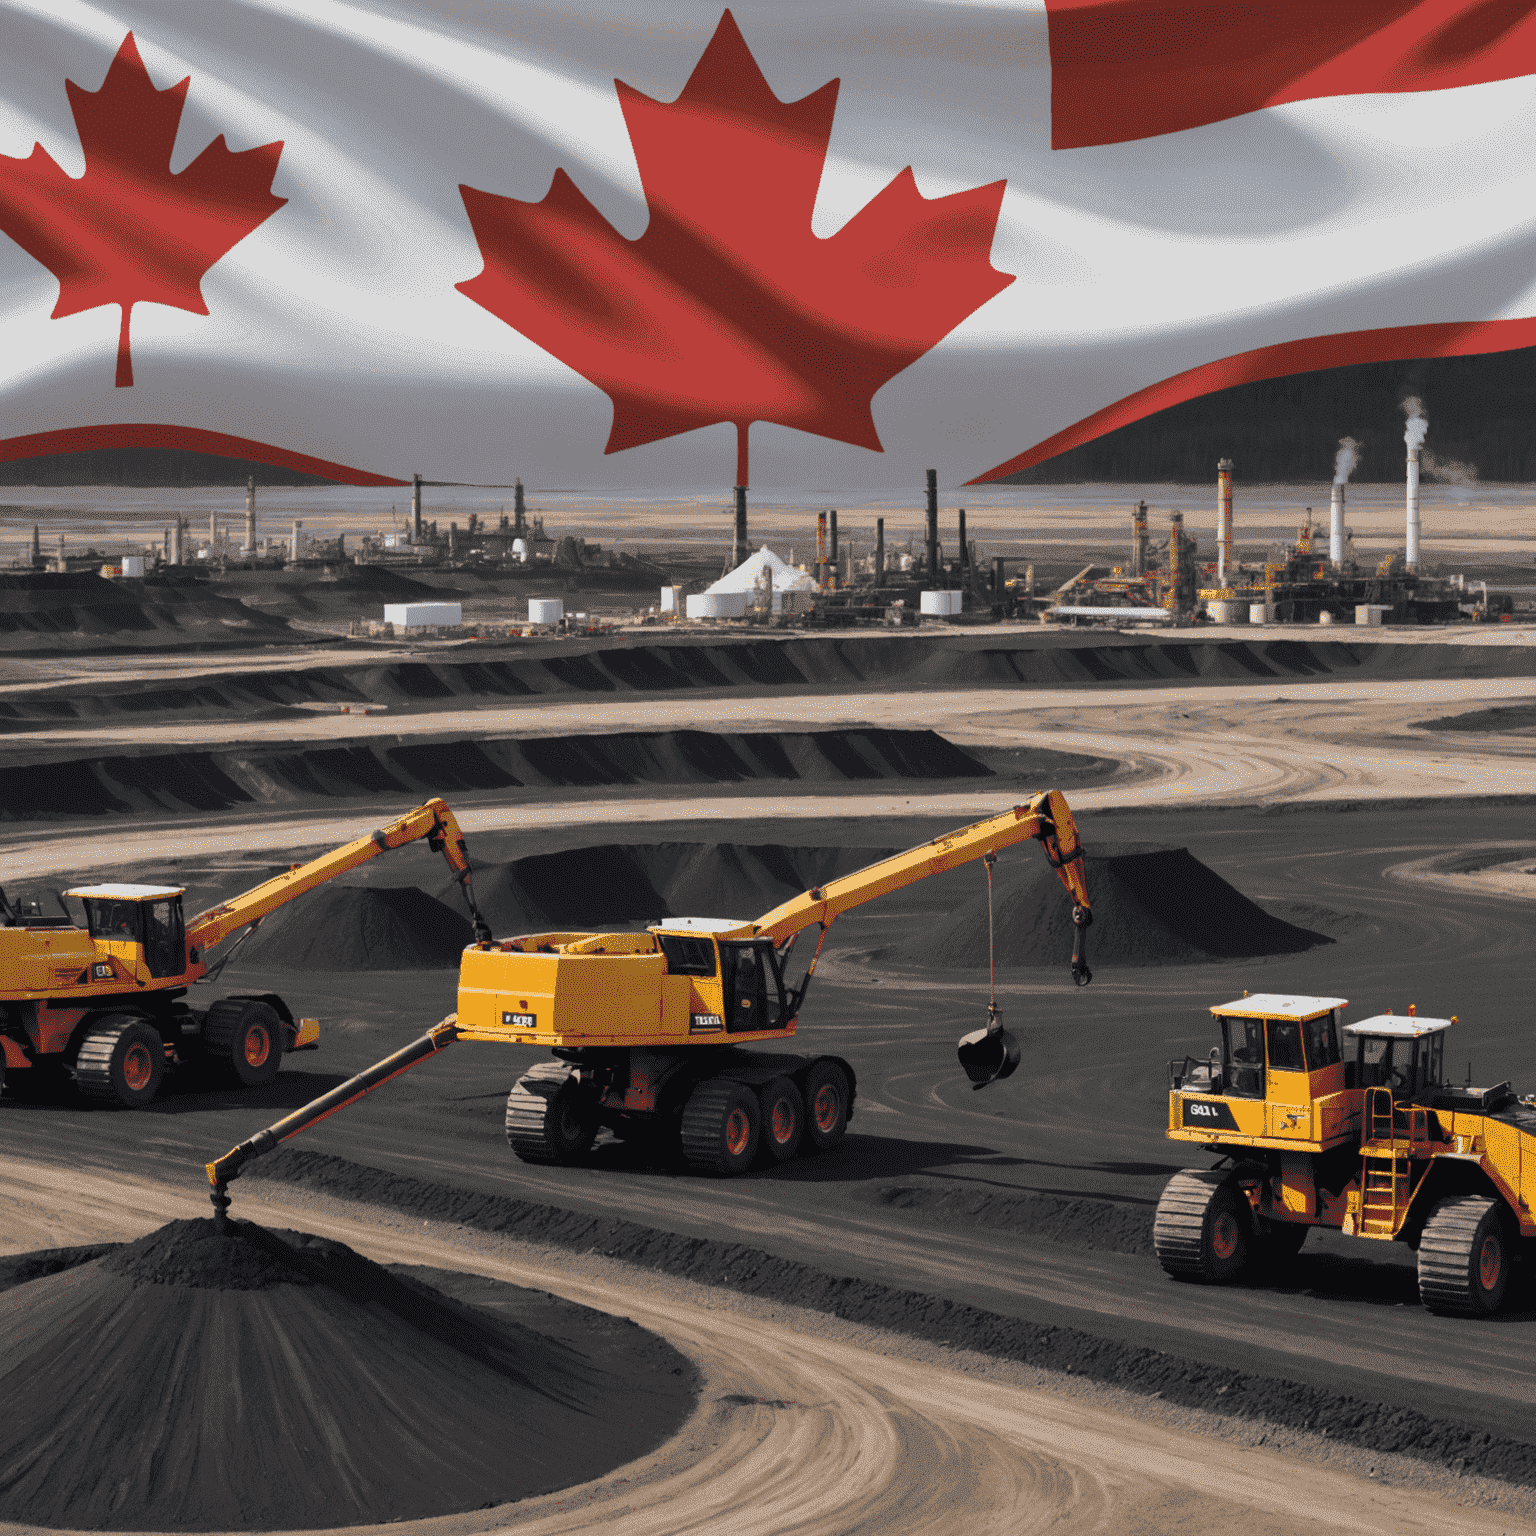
point(672, 246)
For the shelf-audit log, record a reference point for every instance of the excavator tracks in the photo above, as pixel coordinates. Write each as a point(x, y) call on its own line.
point(547, 1120)
point(1200, 1231)
point(1464, 1257)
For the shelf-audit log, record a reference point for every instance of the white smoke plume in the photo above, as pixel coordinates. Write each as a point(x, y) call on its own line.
point(1461, 477)
point(1418, 422)
point(1345, 459)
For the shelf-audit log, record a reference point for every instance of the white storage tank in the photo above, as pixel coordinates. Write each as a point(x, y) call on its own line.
point(939, 605)
point(413, 615)
point(1226, 610)
point(717, 605)
point(1369, 613)
point(133, 565)
point(669, 599)
point(545, 610)
point(1261, 613)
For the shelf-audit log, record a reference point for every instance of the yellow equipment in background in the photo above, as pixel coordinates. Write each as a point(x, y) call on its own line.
point(650, 1031)
point(1353, 1128)
point(104, 1002)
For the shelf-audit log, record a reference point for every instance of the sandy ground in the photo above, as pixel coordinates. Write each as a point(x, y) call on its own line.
point(1298, 742)
point(826, 1430)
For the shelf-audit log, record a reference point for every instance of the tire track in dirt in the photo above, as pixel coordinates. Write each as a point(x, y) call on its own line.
point(804, 1433)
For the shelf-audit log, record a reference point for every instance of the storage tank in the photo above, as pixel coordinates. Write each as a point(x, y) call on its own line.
point(545, 610)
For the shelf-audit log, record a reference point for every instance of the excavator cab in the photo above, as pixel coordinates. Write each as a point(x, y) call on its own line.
point(138, 920)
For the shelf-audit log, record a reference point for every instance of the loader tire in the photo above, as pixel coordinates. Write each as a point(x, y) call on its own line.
point(721, 1126)
point(244, 1039)
point(1202, 1230)
point(1464, 1257)
point(782, 1115)
point(826, 1105)
point(549, 1118)
point(121, 1061)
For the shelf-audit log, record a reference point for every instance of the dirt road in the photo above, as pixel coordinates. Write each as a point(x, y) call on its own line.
point(816, 1435)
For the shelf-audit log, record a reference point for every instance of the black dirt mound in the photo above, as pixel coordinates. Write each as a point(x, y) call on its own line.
point(641, 882)
point(1152, 905)
point(18, 1268)
point(1500, 719)
point(264, 1381)
point(352, 928)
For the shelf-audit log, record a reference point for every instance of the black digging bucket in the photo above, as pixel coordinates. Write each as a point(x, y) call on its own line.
point(990, 1054)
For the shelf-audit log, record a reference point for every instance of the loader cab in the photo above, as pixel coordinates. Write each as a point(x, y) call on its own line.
point(1401, 1052)
point(1278, 1047)
point(140, 924)
point(749, 970)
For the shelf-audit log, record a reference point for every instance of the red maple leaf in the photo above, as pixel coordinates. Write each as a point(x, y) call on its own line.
point(129, 232)
point(728, 307)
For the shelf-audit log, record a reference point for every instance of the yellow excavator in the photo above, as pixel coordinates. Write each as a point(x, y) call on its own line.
point(654, 1034)
point(106, 1002)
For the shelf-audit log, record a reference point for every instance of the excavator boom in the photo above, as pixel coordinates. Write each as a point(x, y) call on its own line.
point(1046, 817)
point(433, 821)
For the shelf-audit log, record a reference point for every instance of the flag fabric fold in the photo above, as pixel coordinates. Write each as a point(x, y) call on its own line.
point(997, 231)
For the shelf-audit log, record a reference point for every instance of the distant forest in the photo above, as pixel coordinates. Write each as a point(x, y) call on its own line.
point(1482, 413)
point(146, 467)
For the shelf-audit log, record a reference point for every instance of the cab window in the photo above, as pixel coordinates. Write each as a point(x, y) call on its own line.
point(1243, 1052)
point(687, 955)
point(165, 940)
point(1386, 1063)
point(753, 987)
point(1285, 1046)
point(112, 919)
point(1322, 1038)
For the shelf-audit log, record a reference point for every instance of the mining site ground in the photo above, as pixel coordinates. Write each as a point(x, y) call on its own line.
point(1323, 798)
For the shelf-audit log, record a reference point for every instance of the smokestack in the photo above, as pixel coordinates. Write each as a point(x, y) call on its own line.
point(415, 514)
point(739, 540)
point(1413, 509)
point(176, 543)
point(213, 532)
point(293, 538)
point(1175, 550)
point(999, 580)
point(37, 546)
point(1413, 436)
point(1139, 539)
point(63, 559)
point(250, 514)
point(933, 528)
point(1336, 527)
point(167, 555)
point(519, 512)
point(965, 563)
point(1223, 520)
point(879, 550)
point(832, 535)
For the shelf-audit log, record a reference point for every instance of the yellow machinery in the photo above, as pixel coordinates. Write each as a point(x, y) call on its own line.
point(651, 1031)
point(105, 1002)
point(1352, 1127)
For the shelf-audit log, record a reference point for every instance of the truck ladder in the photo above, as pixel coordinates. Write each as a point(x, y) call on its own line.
point(1386, 1168)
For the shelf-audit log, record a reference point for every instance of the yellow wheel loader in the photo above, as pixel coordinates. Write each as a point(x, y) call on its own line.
point(1350, 1126)
point(659, 1034)
point(106, 1003)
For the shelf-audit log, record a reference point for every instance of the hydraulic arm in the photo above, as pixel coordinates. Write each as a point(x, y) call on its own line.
point(433, 821)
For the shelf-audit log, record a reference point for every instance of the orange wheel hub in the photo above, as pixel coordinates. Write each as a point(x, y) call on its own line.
point(1224, 1235)
point(258, 1045)
point(738, 1132)
point(1490, 1262)
point(783, 1121)
point(825, 1107)
point(138, 1068)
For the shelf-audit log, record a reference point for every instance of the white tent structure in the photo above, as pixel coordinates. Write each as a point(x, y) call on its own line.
point(728, 597)
point(748, 576)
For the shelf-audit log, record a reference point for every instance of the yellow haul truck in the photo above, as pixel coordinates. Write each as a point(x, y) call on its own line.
point(653, 1032)
point(1349, 1126)
point(105, 1003)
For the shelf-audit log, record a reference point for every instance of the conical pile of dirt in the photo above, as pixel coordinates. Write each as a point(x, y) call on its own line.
point(587, 888)
point(356, 928)
point(198, 1381)
point(1152, 905)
